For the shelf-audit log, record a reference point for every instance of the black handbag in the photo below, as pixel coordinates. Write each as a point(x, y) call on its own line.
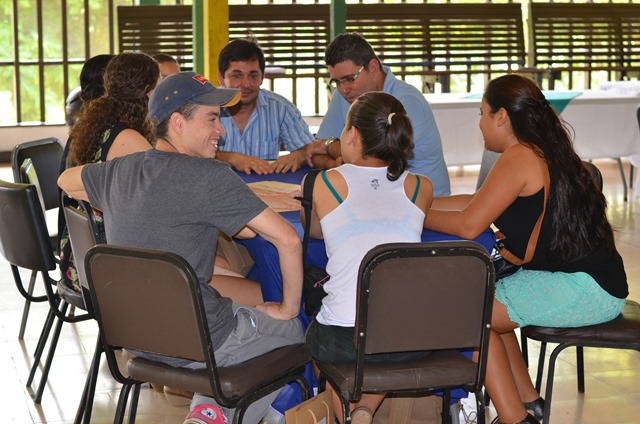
point(314, 276)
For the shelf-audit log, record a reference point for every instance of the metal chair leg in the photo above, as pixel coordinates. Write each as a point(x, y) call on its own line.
point(133, 408)
point(446, 410)
point(624, 178)
point(49, 360)
point(42, 342)
point(83, 415)
point(580, 368)
point(27, 305)
point(543, 351)
point(122, 404)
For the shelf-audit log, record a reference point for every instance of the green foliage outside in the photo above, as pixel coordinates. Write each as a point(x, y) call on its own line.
point(52, 54)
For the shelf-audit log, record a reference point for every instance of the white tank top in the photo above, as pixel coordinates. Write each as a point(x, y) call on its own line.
point(376, 211)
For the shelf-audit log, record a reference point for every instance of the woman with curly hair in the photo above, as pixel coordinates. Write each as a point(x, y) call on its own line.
point(575, 276)
point(116, 124)
point(110, 125)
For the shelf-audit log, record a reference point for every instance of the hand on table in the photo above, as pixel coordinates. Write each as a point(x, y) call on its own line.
point(276, 311)
point(246, 164)
point(289, 163)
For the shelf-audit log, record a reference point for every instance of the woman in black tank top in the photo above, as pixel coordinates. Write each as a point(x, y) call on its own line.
point(572, 276)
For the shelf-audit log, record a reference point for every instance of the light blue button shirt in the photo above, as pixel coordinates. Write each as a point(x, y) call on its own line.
point(428, 155)
point(275, 120)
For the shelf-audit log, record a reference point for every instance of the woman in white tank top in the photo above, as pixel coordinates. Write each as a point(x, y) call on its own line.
point(370, 200)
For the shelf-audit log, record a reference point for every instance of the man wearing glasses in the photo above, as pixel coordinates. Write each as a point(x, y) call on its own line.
point(355, 69)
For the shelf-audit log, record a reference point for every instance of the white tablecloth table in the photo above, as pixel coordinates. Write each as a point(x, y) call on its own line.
point(631, 88)
point(604, 122)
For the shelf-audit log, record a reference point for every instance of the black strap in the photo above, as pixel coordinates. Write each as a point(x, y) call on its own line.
point(306, 200)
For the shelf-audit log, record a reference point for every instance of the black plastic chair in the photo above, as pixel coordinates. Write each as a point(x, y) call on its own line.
point(621, 333)
point(123, 280)
point(45, 155)
point(25, 244)
point(419, 297)
point(83, 235)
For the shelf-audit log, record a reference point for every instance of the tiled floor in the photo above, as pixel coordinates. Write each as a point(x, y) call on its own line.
point(612, 388)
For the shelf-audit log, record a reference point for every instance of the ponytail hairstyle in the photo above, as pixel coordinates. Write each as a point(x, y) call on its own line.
point(385, 130)
point(127, 80)
point(579, 221)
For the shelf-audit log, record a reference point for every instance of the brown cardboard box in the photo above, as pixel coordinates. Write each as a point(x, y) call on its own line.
point(317, 410)
point(409, 410)
point(236, 254)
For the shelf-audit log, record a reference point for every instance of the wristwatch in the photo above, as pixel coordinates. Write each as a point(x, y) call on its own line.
point(328, 142)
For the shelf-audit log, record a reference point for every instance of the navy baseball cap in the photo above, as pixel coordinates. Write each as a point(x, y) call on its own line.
point(179, 89)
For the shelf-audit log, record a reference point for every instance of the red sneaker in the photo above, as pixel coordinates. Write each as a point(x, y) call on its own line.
point(206, 414)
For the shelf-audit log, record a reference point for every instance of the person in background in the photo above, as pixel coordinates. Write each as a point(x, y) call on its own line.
point(168, 64)
point(113, 124)
point(370, 200)
point(177, 197)
point(91, 86)
point(262, 121)
point(355, 69)
point(576, 277)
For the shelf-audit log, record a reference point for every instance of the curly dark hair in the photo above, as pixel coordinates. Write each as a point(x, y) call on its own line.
point(579, 220)
point(127, 80)
point(385, 130)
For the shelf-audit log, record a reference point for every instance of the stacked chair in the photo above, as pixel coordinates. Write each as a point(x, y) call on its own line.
point(83, 235)
point(46, 155)
point(25, 243)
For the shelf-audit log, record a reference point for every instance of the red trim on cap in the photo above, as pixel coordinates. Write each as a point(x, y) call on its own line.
point(200, 79)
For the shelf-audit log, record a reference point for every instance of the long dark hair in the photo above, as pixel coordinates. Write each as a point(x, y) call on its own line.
point(579, 221)
point(92, 77)
point(385, 130)
point(127, 80)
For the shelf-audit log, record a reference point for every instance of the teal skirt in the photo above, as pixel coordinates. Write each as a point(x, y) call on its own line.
point(556, 299)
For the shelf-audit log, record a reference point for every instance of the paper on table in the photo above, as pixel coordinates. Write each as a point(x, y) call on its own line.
point(276, 194)
point(275, 186)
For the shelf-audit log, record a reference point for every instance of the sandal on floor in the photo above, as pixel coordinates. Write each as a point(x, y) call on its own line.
point(529, 419)
point(361, 415)
point(537, 406)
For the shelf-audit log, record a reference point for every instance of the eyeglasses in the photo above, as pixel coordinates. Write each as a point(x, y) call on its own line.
point(346, 81)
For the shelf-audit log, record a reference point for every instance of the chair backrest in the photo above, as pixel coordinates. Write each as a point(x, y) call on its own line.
point(46, 155)
point(24, 239)
point(149, 301)
point(595, 173)
point(423, 296)
point(29, 175)
point(488, 160)
point(83, 235)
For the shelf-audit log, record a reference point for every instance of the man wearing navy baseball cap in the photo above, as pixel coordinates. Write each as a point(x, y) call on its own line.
point(177, 198)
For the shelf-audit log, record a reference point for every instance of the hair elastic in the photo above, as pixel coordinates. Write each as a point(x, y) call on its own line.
point(389, 117)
